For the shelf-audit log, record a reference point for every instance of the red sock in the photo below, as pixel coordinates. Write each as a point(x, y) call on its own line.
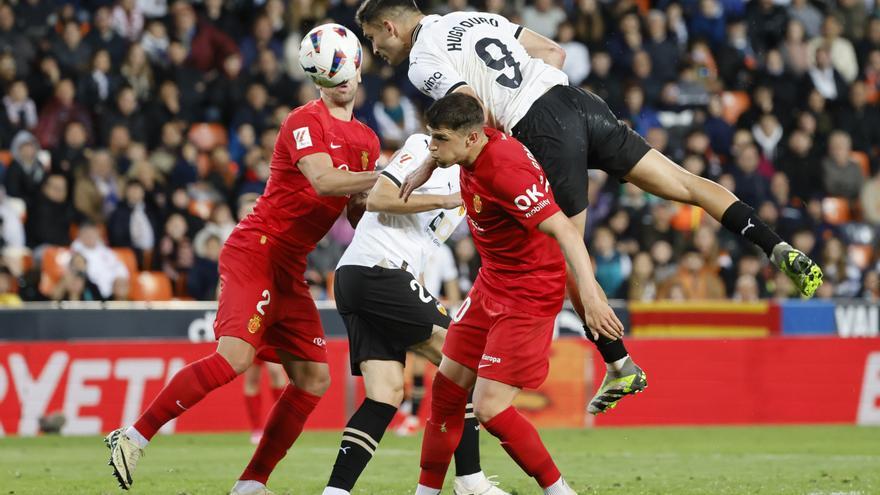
point(192, 383)
point(521, 441)
point(276, 392)
point(252, 404)
point(442, 431)
point(284, 425)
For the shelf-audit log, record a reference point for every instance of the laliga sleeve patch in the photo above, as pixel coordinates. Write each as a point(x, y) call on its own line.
point(302, 137)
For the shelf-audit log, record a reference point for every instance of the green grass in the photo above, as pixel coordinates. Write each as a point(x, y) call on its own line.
point(680, 461)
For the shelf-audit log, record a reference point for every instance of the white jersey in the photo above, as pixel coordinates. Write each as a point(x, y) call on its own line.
point(406, 241)
point(483, 51)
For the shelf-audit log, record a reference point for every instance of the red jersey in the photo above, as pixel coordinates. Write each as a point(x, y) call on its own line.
point(507, 195)
point(290, 213)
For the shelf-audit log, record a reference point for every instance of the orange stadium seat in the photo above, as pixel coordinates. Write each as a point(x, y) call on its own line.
point(864, 162)
point(151, 286)
point(836, 211)
point(733, 104)
point(207, 136)
point(128, 258)
point(5, 157)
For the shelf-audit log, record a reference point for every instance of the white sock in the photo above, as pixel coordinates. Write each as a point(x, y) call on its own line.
point(247, 485)
point(136, 437)
point(424, 490)
point(335, 491)
point(470, 480)
point(617, 365)
point(558, 488)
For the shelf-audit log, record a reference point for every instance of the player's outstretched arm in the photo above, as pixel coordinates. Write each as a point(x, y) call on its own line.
point(541, 47)
point(330, 181)
point(385, 198)
point(599, 315)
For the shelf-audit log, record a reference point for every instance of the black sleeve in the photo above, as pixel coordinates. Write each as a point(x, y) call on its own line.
point(612, 142)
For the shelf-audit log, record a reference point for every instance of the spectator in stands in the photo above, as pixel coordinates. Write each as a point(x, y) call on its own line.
point(261, 38)
point(127, 114)
point(869, 199)
point(21, 112)
point(208, 46)
point(642, 284)
point(133, 224)
point(201, 282)
point(9, 297)
point(224, 18)
point(840, 50)
point(26, 172)
point(155, 42)
point(59, 112)
point(808, 16)
point(612, 267)
point(188, 79)
point(801, 165)
point(846, 277)
point(69, 158)
point(708, 22)
point(643, 76)
point(767, 134)
point(71, 52)
point(74, 284)
point(176, 255)
point(603, 82)
point(640, 116)
point(662, 50)
point(103, 267)
point(589, 23)
point(396, 116)
point(794, 49)
point(859, 119)
point(543, 17)
point(102, 36)
point(225, 93)
point(751, 187)
point(746, 289)
point(128, 19)
point(625, 42)
point(96, 191)
point(281, 88)
point(824, 78)
point(167, 108)
point(12, 40)
point(50, 217)
point(841, 175)
point(11, 228)
point(871, 286)
point(694, 279)
point(766, 22)
point(137, 73)
point(660, 229)
point(256, 110)
point(98, 87)
point(870, 42)
point(784, 84)
point(577, 55)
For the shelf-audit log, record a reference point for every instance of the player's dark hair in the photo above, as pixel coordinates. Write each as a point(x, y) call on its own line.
point(372, 10)
point(455, 111)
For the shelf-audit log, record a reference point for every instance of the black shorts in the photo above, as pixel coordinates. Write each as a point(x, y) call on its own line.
point(570, 130)
point(385, 312)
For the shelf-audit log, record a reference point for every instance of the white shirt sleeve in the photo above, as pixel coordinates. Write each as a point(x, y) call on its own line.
point(408, 158)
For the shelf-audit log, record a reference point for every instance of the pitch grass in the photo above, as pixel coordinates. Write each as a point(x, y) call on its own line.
point(735, 460)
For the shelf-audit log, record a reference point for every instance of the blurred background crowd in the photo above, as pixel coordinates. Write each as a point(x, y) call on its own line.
point(135, 133)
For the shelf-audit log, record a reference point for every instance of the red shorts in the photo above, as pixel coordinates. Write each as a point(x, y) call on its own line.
point(268, 305)
point(499, 342)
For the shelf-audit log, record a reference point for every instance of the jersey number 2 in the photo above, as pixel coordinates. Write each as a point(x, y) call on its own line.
point(506, 60)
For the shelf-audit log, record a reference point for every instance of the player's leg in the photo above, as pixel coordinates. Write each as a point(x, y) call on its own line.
point(278, 379)
point(493, 406)
point(658, 175)
point(188, 386)
point(383, 384)
point(469, 475)
point(309, 381)
point(411, 423)
point(563, 156)
point(252, 398)
point(443, 430)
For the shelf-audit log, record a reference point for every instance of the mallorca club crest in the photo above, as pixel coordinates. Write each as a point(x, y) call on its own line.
point(478, 203)
point(254, 323)
point(365, 159)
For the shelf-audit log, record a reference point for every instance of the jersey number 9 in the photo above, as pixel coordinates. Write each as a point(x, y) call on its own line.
point(506, 60)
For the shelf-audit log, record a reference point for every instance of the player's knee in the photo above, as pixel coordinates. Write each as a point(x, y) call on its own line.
point(315, 383)
point(239, 361)
point(487, 407)
point(391, 393)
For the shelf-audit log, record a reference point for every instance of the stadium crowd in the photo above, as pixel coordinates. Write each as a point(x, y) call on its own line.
point(136, 132)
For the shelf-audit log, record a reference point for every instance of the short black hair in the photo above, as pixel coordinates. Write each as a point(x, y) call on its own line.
point(455, 111)
point(371, 10)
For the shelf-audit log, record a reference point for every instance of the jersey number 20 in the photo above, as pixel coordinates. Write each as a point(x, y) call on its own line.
point(506, 60)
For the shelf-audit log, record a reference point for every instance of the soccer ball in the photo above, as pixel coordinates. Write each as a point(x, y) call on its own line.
point(330, 54)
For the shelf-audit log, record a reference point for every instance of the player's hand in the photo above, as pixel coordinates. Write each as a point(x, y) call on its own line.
point(602, 319)
point(416, 178)
point(452, 201)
